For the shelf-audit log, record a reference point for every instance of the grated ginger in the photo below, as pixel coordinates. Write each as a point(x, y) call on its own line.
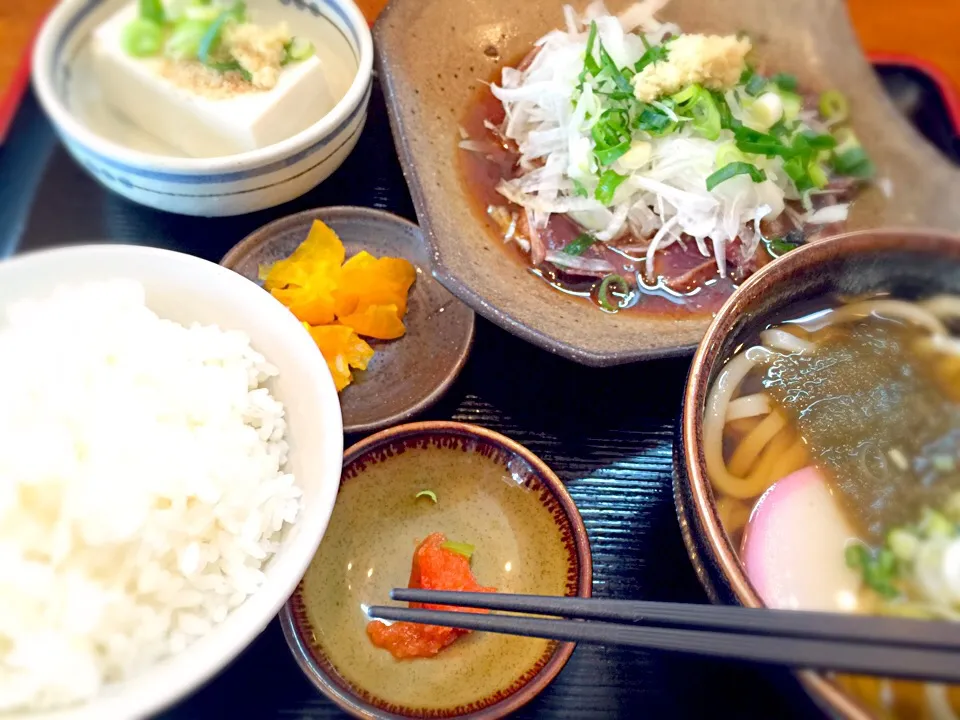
point(714, 61)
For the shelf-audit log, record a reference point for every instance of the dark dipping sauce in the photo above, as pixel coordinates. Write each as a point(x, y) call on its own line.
point(879, 416)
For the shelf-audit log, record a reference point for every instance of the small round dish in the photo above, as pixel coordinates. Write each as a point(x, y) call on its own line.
point(131, 163)
point(492, 493)
point(406, 375)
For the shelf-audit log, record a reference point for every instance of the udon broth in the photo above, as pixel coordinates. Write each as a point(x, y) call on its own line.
point(833, 444)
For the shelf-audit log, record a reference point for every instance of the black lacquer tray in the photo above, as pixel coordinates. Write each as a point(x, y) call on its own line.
point(607, 433)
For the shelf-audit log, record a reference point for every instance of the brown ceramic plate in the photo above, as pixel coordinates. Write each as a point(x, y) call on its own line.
point(427, 93)
point(904, 262)
point(406, 375)
point(491, 493)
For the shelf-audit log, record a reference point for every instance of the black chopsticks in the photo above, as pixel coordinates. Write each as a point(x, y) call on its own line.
point(870, 645)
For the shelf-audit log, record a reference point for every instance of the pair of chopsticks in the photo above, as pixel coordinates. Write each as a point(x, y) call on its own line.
point(868, 645)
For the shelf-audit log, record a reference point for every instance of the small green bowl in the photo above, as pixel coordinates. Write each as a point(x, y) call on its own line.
point(491, 493)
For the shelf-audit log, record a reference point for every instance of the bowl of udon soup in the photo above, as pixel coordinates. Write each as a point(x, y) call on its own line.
point(818, 462)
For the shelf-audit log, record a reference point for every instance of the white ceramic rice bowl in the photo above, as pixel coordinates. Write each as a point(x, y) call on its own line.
point(185, 288)
point(127, 161)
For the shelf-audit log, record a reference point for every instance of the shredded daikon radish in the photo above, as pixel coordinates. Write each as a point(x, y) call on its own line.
point(549, 119)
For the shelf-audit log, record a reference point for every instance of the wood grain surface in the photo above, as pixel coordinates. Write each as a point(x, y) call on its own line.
point(924, 28)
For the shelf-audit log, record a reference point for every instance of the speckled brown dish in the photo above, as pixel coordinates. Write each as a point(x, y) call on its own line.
point(427, 93)
point(492, 493)
point(406, 375)
point(904, 262)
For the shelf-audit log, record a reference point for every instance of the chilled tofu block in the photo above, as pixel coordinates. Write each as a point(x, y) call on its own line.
point(204, 119)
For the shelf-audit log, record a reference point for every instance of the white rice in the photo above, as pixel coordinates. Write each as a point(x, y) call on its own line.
point(141, 488)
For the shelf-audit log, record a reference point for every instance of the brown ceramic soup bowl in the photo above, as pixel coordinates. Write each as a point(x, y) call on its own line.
point(905, 263)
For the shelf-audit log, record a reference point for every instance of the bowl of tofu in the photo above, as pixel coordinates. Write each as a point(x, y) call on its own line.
point(206, 107)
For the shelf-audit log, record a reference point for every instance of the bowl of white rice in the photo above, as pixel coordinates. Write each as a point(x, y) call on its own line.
point(170, 453)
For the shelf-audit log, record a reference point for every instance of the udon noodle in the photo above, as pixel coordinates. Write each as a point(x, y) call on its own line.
point(833, 443)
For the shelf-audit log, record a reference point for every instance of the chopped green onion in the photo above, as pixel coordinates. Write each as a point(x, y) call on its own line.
point(152, 10)
point(792, 105)
point(817, 174)
point(695, 102)
point(605, 292)
point(579, 189)
point(141, 38)
point(846, 139)
point(202, 13)
point(184, 42)
point(853, 163)
point(297, 50)
point(808, 139)
point(785, 81)
point(652, 121)
point(781, 246)
point(879, 569)
point(728, 153)
point(579, 246)
point(611, 135)
point(232, 66)
point(610, 66)
point(427, 494)
point(755, 85)
point(609, 182)
point(797, 171)
point(856, 556)
point(834, 106)
point(936, 524)
point(653, 54)
point(690, 92)
point(461, 548)
point(589, 62)
point(732, 170)
point(903, 544)
point(211, 39)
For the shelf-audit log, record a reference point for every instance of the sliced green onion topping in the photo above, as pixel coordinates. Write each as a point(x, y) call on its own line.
point(611, 135)
point(653, 121)
point(778, 246)
point(202, 13)
point(818, 174)
point(785, 81)
point(609, 182)
point(579, 189)
point(608, 286)
point(698, 104)
point(732, 170)
point(184, 42)
point(211, 39)
point(853, 163)
point(461, 548)
point(427, 494)
point(232, 66)
point(834, 106)
point(580, 245)
point(755, 85)
point(879, 569)
point(653, 54)
point(152, 10)
point(589, 62)
point(141, 38)
point(298, 50)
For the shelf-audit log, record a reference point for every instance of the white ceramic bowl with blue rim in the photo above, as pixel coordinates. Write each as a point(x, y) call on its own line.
point(133, 164)
point(187, 289)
